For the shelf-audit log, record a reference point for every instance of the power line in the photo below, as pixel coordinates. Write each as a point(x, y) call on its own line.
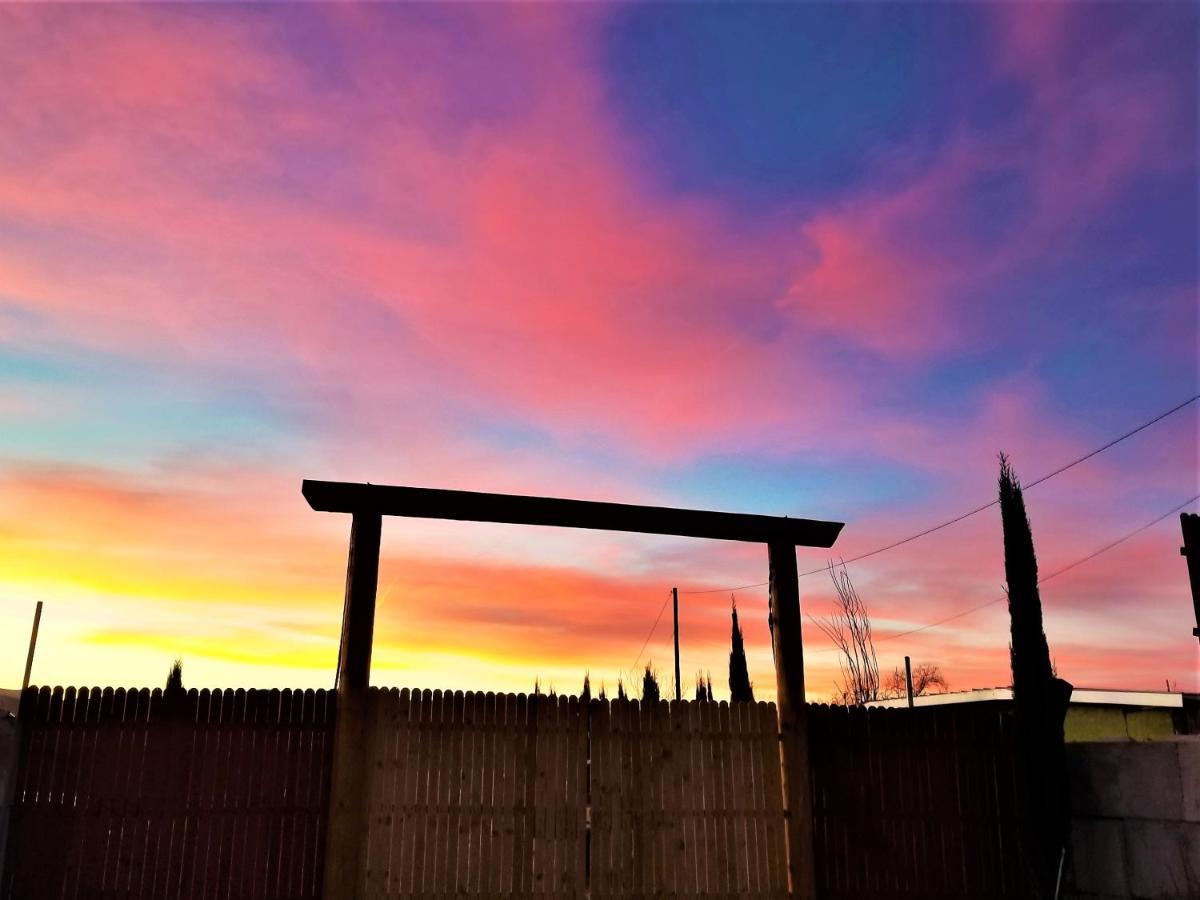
point(657, 619)
point(978, 509)
point(730, 590)
point(1045, 578)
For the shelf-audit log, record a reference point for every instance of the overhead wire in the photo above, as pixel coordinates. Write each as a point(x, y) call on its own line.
point(976, 510)
point(1044, 578)
point(649, 634)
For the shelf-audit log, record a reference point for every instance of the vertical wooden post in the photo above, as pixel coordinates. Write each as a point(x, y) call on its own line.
point(675, 604)
point(793, 731)
point(37, 619)
point(908, 680)
point(345, 834)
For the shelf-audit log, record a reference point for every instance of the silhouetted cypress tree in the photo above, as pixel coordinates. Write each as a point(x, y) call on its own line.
point(650, 692)
point(1039, 697)
point(174, 694)
point(740, 689)
point(174, 685)
point(621, 690)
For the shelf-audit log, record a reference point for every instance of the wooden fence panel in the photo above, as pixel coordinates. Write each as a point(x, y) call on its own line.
point(686, 800)
point(914, 803)
point(130, 794)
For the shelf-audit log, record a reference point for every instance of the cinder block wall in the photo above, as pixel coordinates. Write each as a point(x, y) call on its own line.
point(1136, 825)
point(1089, 723)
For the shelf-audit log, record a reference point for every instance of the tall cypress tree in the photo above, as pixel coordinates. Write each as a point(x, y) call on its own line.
point(740, 689)
point(650, 691)
point(1039, 697)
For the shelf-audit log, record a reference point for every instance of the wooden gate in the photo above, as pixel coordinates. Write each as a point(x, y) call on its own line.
point(515, 795)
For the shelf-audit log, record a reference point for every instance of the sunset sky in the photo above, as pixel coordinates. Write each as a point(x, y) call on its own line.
point(812, 260)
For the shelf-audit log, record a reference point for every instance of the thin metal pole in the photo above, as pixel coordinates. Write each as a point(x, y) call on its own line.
point(675, 604)
point(37, 619)
point(908, 680)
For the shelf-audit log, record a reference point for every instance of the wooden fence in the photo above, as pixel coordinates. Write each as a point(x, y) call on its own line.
point(224, 794)
point(917, 803)
point(120, 794)
point(502, 794)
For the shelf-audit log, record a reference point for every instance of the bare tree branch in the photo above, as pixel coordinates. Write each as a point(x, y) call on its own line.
point(849, 628)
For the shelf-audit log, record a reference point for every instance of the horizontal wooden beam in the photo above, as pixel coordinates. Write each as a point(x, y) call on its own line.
point(470, 506)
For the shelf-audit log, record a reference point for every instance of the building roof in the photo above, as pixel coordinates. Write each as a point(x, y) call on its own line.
point(1078, 695)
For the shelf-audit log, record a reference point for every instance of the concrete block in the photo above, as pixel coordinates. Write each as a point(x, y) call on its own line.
point(1163, 859)
point(1091, 770)
point(1098, 857)
point(1149, 724)
point(1138, 780)
point(1189, 776)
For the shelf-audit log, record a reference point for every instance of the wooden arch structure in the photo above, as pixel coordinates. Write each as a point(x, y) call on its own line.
point(368, 503)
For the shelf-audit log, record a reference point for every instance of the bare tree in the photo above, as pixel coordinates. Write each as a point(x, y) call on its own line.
point(927, 679)
point(850, 630)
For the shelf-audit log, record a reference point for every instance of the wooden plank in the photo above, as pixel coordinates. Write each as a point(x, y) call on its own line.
point(452, 796)
point(505, 796)
point(271, 795)
point(691, 800)
point(158, 801)
point(80, 764)
point(596, 846)
point(71, 823)
point(379, 732)
point(772, 763)
point(665, 824)
point(403, 841)
point(577, 794)
point(714, 833)
point(287, 756)
point(118, 863)
point(629, 830)
point(442, 878)
point(472, 506)
point(742, 745)
point(490, 846)
point(240, 811)
point(674, 844)
point(429, 711)
point(543, 835)
point(526, 771)
point(741, 805)
point(765, 808)
point(471, 791)
point(260, 799)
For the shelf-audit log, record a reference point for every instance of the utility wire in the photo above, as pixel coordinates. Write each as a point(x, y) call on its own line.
point(658, 618)
point(978, 509)
point(1045, 578)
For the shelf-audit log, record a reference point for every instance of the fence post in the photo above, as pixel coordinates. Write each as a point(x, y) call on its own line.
point(345, 832)
point(793, 730)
